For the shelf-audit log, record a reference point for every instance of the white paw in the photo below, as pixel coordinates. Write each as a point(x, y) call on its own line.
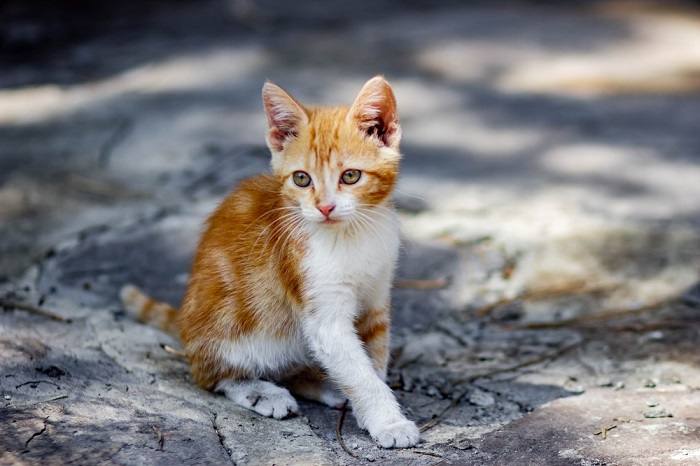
point(398, 434)
point(264, 398)
point(332, 397)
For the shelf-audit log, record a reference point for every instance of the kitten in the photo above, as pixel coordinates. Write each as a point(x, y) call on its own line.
point(291, 280)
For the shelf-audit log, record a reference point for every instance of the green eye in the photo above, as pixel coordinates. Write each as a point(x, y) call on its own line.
point(351, 176)
point(301, 179)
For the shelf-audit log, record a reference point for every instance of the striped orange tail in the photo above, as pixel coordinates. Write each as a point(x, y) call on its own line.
point(149, 311)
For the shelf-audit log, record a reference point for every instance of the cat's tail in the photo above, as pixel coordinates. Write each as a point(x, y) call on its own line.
point(149, 311)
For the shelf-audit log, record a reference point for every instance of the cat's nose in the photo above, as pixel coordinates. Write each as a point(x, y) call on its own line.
point(326, 209)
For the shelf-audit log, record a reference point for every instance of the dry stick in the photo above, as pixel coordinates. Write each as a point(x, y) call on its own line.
point(159, 435)
point(662, 324)
point(427, 453)
point(604, 431)
point(607, 314)
point(530, 362)
point(56, 398)
point(33, 310)
point(556, 292)
point(37, 382)
point(431, 284)
point(339, 430)
point(169, 349)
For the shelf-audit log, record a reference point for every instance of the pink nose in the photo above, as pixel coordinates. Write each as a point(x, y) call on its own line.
point(326, 209)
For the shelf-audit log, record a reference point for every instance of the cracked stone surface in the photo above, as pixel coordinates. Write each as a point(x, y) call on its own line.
point(550, 176)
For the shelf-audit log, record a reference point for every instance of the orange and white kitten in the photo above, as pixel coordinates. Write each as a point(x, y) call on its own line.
point(291, 281)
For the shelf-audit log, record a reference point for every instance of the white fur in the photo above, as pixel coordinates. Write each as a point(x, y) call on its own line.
point(344, 276)
point(347, 269)
point(264, 356)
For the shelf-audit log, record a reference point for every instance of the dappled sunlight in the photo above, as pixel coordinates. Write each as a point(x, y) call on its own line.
point(467, 132)
point(648, 184)
point(658, 53)
point(548, 281)
point(203, 71)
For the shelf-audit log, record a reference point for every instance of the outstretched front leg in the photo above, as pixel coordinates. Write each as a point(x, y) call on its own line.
point(330, 331)
point(373, 328)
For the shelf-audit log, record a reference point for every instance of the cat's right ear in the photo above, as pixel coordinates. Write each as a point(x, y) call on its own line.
point(284, 116)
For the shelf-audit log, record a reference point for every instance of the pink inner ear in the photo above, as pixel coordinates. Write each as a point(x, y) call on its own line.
point(379, 124)
point(277, 138)
point(375, 112)
point(284, 115)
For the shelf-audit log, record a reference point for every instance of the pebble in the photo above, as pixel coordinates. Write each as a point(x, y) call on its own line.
point(576, 389)
point(482, 398)
point(603, 382)
point(619, 385)
point(8, 397)
point(652, 403)
point(650, 384)
point(657, 412)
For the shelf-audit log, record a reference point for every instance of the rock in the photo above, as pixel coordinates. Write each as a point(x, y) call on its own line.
point(656, 412)
point(481, 398)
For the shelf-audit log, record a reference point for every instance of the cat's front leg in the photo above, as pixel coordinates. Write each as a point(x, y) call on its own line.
point(328, 326)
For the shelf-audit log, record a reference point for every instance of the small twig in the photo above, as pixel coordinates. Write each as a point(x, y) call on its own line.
point(28, 405)
point(427, 453)
point(651, 326)
point(549, 293)
point(159, 436)
point(33, 310)
point(169, 349)
point(417, 284)
point(37, 382)
point(604, 431)
point(583, 321)
point(435, 420)
point(339, 430)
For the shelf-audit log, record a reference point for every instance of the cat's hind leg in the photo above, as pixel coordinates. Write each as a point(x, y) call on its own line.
point(312, 384)
point(261, 396)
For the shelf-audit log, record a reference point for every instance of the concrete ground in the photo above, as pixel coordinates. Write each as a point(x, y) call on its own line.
point(551, 180)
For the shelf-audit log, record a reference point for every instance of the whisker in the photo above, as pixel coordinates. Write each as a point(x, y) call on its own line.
point(290, 234)
point(366, 220)
point(260, 217)
point(282, 218)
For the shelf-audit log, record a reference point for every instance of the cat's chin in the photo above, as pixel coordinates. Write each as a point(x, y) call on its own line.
point(331, 223)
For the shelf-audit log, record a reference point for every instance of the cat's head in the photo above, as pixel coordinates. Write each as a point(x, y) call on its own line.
point(336, 163)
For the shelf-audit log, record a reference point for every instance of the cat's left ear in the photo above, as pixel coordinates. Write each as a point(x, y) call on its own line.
point(374, 112)
point(285, 116)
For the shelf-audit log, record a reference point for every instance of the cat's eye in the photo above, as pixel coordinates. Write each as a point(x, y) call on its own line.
point(301, 179)
point(351, 176)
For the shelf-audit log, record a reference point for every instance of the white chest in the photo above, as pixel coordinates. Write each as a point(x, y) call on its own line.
point(361, 261)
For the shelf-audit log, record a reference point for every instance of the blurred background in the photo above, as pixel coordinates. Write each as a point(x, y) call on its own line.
point(550, 189)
